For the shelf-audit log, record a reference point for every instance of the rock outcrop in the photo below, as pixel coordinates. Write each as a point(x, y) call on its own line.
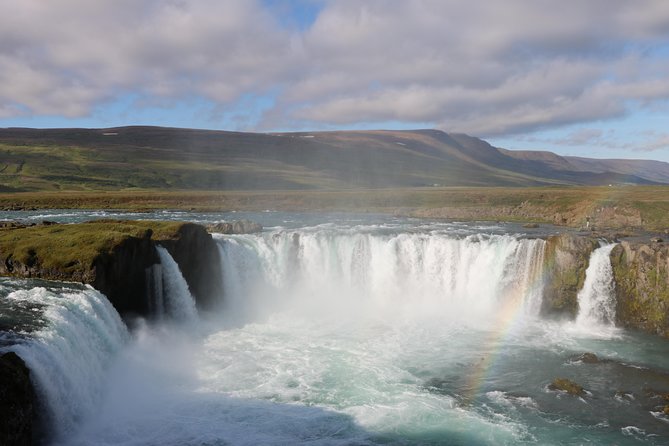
point(199, 260)
point(565, 261)
point(115, 257)
point(17, 402)
point(641, 272)
point(121, 274)
point(568, 386)
point(236, 227)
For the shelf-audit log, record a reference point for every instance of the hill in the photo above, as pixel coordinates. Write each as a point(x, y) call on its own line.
point(186, 159)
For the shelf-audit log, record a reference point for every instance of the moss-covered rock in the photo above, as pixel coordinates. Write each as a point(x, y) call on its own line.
point(114, 256)
point(641, 272)
point(568, 386)
point(566, 259)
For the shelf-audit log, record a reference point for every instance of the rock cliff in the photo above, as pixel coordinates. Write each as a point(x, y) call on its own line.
point(565, 261)
point(199, 260)
point(115, 257)
point(17, 402)
point(641, 271)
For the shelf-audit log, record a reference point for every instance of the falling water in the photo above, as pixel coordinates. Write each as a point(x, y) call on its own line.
point(436, 272)
point(179, 303)
point(338, 336)
point(68, 355)
point(596, 300)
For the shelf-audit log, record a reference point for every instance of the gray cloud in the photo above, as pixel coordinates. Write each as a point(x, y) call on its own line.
point(487, 68)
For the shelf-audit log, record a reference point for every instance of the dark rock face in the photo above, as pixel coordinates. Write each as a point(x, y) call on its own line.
point(199, 260)
point(641, 272)
point(17, 402)
point(565, 261)
point(121, 275)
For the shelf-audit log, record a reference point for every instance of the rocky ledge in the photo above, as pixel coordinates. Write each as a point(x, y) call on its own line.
point(640, 273)
point(566, 259)
point(115, 257)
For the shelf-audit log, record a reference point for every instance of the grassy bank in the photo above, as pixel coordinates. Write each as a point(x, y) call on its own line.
point(68, 248)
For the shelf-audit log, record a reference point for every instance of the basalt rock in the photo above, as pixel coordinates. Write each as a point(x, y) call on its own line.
point(115, 257)
point(566, 259)
point(121, 274)
point(17, 402)
point(641, 272)
point(199, 260)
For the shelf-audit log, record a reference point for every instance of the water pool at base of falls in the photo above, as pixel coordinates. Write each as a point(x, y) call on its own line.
point(347, 335)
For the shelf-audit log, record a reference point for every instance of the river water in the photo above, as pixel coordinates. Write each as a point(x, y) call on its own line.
point(343, 330)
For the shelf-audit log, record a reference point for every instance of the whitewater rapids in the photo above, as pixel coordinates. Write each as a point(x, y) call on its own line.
point(352, 336)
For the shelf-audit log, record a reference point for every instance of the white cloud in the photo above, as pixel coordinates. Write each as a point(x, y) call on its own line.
point(483, 67)
point(65, 57)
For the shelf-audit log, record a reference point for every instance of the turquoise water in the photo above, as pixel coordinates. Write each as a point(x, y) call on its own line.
point(352, 333)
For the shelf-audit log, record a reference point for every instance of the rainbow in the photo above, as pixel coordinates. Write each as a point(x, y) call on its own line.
point(511, 312)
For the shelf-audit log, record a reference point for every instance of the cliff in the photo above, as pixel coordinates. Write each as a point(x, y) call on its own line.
point(565, 261)
point(641, 271)
point(114, 257)
point(17, 402)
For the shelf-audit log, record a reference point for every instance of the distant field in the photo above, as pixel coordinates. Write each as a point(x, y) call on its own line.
point(606, 207)
point(422, 173)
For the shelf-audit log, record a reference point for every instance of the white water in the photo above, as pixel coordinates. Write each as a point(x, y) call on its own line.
point(340, 337)
point(405, 273)
point(69, 355)
point(178, 301)
point(596, 300)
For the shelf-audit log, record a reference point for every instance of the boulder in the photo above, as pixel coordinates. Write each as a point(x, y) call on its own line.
point(587, 358)
point(568, 386)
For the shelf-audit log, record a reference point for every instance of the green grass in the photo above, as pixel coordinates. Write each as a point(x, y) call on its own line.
point(74, 247)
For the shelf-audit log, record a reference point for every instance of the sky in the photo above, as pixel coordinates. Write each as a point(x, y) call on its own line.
point(577, 77)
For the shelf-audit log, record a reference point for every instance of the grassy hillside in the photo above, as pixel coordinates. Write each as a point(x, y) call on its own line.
point(181, 159)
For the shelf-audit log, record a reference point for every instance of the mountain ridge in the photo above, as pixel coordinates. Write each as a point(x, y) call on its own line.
point(148, 157)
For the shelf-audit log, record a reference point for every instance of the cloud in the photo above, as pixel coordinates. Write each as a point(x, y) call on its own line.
point(486, 68)
point(481, 67)
point(581, 137)
point(65, 57)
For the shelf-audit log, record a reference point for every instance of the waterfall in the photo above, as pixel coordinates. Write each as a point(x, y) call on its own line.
point(596, 300)
point(178, 301)
point(80, 334)
point(473, 274)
